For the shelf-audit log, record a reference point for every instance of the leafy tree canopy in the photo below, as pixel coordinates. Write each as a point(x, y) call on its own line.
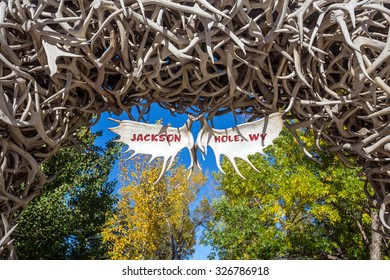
point(153, 220)
point(293, 208)
point(67, 220)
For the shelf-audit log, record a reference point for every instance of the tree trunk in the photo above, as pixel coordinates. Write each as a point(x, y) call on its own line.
point(376, 237)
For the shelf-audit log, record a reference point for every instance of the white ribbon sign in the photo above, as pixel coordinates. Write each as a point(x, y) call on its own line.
point(155, 140)
point(240, 141)
point(236, 142)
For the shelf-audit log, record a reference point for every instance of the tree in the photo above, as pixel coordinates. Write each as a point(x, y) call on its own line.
point(153, 220)
point(294, 208)
point(67, 220)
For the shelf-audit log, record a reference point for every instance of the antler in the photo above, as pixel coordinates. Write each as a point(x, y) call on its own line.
point(62, 62)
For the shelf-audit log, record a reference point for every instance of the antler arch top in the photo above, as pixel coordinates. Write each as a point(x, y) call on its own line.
point(62, 61)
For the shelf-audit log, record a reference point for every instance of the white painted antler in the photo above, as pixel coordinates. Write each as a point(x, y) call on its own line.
point(156, 140)
point(240, 141)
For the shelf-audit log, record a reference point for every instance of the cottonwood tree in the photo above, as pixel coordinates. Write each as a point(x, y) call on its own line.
point(153, 220)
point(66, 221)
point(293, 208)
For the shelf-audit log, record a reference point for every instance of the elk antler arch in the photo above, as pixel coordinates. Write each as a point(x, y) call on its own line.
point(63, 61)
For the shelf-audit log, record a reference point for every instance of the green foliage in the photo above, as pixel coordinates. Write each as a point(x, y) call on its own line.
point(153, 220)
point(66, 221)
point(294, 208)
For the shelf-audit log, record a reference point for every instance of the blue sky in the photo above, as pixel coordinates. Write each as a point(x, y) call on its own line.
point(208, 165)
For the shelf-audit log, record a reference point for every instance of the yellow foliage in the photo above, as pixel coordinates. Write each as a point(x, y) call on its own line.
point(151, 217)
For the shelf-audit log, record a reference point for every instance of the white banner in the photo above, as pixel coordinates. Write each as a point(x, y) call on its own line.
point(166, 142)
point(240, 141)
point(155, 140)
